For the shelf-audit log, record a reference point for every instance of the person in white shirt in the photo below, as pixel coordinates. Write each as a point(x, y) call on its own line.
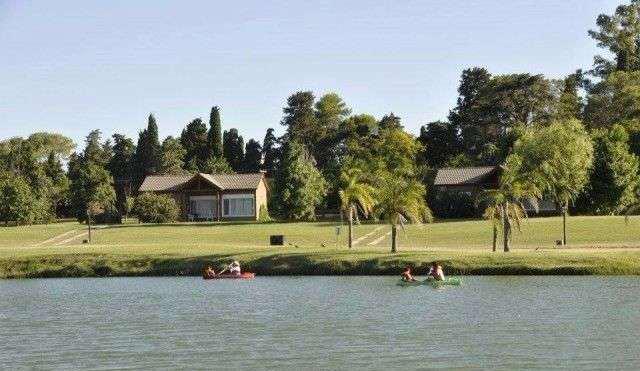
point(436, 272)
point(234, 268)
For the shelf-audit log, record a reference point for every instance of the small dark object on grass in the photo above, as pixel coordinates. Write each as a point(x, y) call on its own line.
point(276, 240)
point(85, 241)
point(558, 242)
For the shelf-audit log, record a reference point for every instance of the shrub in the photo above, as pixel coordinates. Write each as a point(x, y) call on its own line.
point(154, 208)
point(263, 215)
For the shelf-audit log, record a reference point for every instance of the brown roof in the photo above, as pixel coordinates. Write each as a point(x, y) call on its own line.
point(168, 183)
point(464, 175)
point(163, 182)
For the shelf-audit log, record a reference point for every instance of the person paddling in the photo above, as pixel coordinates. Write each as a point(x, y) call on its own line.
point(436, 272)
point(208, 272)
point(406, 275)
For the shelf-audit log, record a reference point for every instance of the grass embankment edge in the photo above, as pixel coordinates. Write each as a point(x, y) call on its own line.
point(283, 264)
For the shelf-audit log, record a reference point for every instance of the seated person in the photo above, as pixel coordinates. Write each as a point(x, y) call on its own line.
point(234, 268)
point(208, 272)
point(406, 275)
point(436, 272)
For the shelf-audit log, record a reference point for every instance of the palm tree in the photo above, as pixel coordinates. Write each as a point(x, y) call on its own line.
point(355, 195)
point(401, 200)
point(503, 213)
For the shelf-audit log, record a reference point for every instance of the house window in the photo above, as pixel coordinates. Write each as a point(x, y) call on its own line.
point(238, 205)
point(203, 207)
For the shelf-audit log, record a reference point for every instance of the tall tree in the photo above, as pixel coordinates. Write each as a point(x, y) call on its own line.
point(270, 152)
point(570, 103)
point(619, 34)
point(300, 119)
point(252, 157)
point(559, 156)
point(90, 180)
point(331, 111)
point(233, 149)
point(441, 142)
point(194, 142)
point(299, 186)
point(147, 155)
point(614, 177)
point(172, 156)
point(122, 167)
point(214, 136)
point(390, 121)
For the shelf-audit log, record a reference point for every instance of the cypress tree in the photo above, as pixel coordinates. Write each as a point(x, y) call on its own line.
point(233, 145)
point(214, 136)
point(252, 157)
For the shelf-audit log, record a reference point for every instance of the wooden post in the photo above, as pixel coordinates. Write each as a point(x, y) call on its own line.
point(89, 224)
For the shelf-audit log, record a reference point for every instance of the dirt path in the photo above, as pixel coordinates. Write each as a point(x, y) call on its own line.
point(54, 238)
point(365, 236)
point(379, 239)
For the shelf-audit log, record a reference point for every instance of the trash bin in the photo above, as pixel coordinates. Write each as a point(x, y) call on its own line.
point(276, 240)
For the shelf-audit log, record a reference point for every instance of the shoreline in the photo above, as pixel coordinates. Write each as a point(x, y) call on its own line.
point(317, 264)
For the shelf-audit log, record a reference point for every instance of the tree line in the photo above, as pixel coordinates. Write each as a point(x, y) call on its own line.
point(575, 140)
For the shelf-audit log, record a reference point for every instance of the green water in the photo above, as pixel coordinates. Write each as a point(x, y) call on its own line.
point(506, 323)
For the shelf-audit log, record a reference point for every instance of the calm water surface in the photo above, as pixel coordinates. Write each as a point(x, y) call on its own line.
point(320, 323)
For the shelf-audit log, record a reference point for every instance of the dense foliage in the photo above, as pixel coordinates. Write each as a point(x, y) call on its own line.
point(155, 208)
point(575, 140)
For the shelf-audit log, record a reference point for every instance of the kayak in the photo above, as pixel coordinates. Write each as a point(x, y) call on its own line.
point(242, 276)
point(452, 281)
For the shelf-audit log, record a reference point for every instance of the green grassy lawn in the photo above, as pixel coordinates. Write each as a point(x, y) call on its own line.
point(599, 245)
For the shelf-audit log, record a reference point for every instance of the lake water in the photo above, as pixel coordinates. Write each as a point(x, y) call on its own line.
point(320, 323)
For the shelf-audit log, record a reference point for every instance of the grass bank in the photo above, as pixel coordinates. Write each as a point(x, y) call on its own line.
point(599, 245)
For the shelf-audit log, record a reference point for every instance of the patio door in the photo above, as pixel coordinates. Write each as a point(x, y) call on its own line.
point(203, 207)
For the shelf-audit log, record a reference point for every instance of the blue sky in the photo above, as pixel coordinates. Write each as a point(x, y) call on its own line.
point(72, 66)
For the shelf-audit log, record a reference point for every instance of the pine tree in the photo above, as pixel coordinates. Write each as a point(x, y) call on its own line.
point(233, 149)
point(299, 186)
point(214, 136)
point(270, 152)
point(194, 141)
point(147, 151)
point(252, 157)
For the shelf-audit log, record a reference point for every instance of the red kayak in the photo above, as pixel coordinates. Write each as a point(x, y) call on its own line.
point(241, 276)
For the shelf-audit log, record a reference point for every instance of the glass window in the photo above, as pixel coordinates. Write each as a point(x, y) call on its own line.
point(238, 205)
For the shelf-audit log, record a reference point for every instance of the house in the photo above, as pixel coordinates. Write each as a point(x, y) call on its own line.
point(467, 179)
point(472, 180)
point(212, 196)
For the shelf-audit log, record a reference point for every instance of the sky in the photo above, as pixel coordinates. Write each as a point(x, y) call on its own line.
point(74, 66)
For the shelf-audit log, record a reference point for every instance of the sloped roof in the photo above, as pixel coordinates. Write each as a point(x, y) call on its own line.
point(163, 182)
point(237, 181)
point(168, 183)
point(463, 175)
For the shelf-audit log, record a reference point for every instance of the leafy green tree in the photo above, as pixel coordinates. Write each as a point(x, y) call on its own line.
point(441, 142)
point(489, 107)
point(558, 157)
point(331, 111)
point(615, 100)
point(253, 157)
point(390, 121)
point(17, 203)
point(90, 182)
point(171, 156)
point(503, 214)
point(194, 142)
point(619, 34)
point(218, 166)
point(214, 136)
point(122, 168)
point(270, 152)
point(59, 192)
point(46, 143)
point(233, 145)
point(300, 119)
point(299, 186)
point(400, 200)
point(147, 157)
point(355, 196)
point(570, 103)
point(614, 177)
